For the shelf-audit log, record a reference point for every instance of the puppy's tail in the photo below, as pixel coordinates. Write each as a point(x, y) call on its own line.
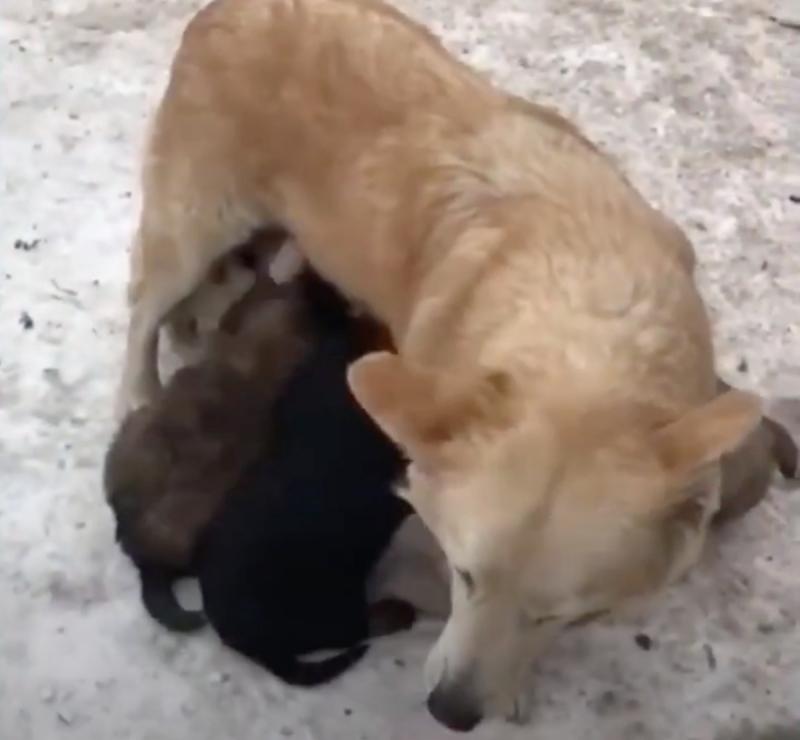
point(784, 449)
point(161, 604)
point(306, 673)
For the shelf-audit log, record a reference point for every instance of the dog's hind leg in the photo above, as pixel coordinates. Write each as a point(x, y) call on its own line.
point(152, 299)
point(174, 251)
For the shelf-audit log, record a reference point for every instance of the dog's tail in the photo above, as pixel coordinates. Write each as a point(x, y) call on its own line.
point(298, 672)
point(784, 450)
point(161, 604)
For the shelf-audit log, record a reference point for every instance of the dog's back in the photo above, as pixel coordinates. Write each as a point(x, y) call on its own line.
point(283, 568)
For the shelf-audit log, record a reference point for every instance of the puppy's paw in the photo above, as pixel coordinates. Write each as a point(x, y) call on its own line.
point(389, 616)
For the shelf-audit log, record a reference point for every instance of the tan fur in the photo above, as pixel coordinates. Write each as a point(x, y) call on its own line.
point(553, 347)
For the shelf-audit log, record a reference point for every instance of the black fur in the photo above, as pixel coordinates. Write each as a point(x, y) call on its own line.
point(284, 565)
point(159, 600)
point(156, 584)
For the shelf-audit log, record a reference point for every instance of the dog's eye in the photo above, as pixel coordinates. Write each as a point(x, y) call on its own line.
point(466, 578)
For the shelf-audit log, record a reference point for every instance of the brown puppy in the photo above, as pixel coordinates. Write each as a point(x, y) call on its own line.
point(172, 462)
point(554, 385)
point(193, 322)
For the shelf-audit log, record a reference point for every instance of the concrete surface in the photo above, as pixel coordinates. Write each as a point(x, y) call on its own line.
point(698, 98)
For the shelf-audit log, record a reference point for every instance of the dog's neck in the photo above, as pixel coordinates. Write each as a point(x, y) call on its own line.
point(458, 238)
point(490, 299)
point(529, 255)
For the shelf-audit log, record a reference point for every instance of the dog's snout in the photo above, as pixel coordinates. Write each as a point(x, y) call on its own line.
point(455, 705)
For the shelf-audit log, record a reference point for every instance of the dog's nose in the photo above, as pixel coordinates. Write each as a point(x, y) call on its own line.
point(455, 706)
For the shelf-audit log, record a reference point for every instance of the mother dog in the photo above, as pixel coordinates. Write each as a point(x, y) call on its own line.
point(554, 384)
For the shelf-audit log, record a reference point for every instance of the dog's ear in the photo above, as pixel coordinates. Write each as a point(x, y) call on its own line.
point(419, 408)
point(704, 434)
point(404, 401)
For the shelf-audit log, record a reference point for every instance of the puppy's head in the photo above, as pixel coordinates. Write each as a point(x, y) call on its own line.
point(192, 323)
point(547, 514)
point(264, 333)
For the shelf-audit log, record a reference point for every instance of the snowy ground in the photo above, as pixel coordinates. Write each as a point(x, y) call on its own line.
point(694, 96)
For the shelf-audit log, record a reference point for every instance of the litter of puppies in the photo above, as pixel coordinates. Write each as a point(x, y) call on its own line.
point(257, 472)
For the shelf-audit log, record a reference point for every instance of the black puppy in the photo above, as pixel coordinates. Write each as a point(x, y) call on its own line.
point(283, 567)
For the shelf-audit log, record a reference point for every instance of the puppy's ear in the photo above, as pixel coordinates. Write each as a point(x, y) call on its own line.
point(419, 408)
point(704, 434)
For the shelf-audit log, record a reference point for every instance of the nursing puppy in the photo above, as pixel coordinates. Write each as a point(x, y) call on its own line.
point(284, 566)
point(172, 462)
point(554, 381)
point(192, 324)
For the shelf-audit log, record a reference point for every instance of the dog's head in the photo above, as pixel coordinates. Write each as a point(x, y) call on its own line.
point(545, 516)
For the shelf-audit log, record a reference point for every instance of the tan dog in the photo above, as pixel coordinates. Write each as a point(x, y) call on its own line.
point(554, 384)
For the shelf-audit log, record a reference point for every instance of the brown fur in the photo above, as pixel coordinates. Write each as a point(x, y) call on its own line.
point(171, 462)
point(554, 384)
point(192, 323)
